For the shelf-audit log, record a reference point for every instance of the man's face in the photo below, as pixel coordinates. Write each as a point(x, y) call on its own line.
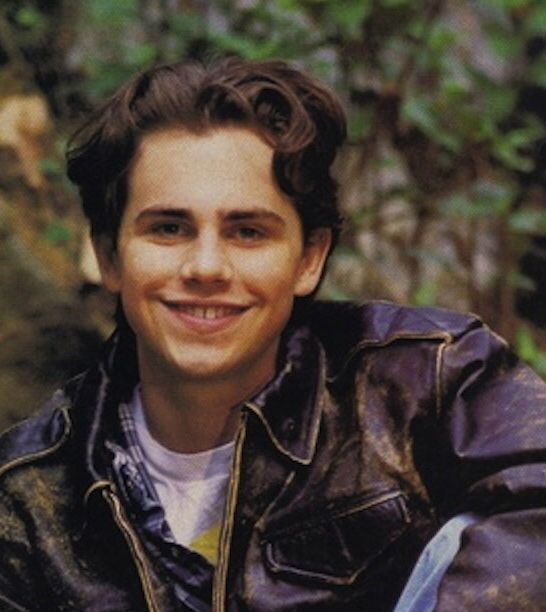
point(209, 256)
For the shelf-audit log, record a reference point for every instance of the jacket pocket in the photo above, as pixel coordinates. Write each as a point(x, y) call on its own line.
point(340, 543)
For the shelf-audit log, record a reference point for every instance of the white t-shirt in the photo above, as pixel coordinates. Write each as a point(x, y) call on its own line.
point(192, 487)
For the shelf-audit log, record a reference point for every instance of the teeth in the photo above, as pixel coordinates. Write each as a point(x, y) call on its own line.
point(209, 312)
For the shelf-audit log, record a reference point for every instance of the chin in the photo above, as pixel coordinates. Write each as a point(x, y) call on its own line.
point(201, 370)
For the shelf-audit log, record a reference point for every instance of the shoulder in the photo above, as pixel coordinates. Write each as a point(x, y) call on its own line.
point(346, 327)
point(38, 436)
point(72, 407)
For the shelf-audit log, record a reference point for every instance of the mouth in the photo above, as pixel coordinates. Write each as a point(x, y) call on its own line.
point(207, 313)
point(206, 318)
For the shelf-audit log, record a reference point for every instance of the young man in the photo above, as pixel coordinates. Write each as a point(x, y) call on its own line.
point(239, 446)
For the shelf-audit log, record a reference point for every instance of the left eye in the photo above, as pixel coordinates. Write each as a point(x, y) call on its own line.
point(248, 233)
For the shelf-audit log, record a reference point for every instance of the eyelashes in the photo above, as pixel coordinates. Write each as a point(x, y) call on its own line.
point(243, 233)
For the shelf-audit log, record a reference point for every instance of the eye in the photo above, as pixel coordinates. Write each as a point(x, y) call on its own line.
point(248, 233)
point(170, 229)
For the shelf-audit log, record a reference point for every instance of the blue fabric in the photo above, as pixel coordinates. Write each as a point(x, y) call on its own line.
point(421, 591)
point(190, 573)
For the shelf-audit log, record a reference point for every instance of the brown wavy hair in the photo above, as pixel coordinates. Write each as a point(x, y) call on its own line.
point(299, 117)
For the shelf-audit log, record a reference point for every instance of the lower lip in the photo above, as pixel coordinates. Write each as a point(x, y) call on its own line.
point(202, 325)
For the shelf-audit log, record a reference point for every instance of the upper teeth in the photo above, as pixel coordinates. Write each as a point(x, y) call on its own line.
point(209, 312)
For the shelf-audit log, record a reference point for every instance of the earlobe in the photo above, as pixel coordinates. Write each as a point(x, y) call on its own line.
point(313, 261)
point(107, 259)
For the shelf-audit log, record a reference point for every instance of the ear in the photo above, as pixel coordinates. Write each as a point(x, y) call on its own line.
point(315, 252)
point(107, 259)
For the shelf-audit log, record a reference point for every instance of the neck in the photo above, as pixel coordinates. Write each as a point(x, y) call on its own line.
point(190, 417)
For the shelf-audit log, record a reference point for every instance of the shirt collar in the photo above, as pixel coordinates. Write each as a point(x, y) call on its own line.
point(289, 407)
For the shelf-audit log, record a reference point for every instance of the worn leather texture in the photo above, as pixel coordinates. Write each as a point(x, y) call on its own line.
point(382, 423)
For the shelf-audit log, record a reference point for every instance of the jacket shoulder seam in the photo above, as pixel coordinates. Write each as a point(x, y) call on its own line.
point(30, 456)
point(443, 337)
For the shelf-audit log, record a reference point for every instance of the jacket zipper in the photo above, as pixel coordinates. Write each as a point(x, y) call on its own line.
point(134, 546)
point(220, 574)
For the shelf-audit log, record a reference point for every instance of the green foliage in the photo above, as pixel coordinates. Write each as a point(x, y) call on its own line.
point(535, 24)
point(423, 112)
point(56, 233)
point(347, 16)
point(483, 199)
point(245, 47)
point(425, 295)
point(360, 123)
point(528, 349)
point(514, 147)
point(28, 17)
point(52, 167)
point(435, 98)
point(528, 222)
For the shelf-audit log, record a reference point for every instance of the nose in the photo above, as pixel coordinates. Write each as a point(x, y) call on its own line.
point(206, 261)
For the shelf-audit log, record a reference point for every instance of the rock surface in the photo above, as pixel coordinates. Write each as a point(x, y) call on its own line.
point(47, 333)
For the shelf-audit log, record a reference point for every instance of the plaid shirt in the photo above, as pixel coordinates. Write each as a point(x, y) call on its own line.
point(190, 573)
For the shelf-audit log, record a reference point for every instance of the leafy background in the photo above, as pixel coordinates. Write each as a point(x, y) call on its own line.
point(443, 177)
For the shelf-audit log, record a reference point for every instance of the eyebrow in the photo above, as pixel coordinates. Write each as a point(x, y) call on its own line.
point(256, 213)
point(246, 214)
point(161, 211)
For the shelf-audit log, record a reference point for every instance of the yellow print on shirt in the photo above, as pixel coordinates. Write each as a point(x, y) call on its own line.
point(206, 543)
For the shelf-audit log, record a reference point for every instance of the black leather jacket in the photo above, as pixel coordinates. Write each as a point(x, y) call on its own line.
point(382, 423)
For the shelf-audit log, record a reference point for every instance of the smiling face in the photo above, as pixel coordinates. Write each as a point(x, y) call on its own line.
point(209, 257)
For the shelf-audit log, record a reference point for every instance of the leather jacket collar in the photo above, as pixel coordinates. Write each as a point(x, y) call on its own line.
point(298, 383)
point(84, 411)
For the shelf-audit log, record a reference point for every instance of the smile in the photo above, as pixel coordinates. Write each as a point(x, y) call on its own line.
point(209, 312)
point(205, 314)
point(206, 318)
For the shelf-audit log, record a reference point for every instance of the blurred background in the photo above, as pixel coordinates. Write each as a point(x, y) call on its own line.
point(442, 181)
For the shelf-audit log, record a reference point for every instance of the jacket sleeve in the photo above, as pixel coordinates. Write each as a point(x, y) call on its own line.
point(15, 583)
point(492, 411)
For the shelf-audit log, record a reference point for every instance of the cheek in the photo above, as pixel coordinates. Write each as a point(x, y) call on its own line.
point(145, 268)
point(274, 277)
point(279, 264)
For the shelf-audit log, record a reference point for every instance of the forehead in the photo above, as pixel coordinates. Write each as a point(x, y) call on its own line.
point(205, 173)
point(210, 155)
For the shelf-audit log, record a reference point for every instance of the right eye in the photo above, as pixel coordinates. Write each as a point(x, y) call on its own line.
point(170, 229)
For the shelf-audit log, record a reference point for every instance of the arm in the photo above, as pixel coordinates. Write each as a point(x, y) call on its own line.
point(492, 412)
point(421, 591)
